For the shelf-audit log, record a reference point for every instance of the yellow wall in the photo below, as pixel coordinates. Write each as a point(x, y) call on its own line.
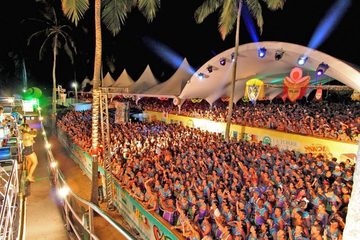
point(331, 148)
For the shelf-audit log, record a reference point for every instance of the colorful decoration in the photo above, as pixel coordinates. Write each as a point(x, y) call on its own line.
point(295, 85)
point(196, 100)
point(254, 90)
point(318, 94)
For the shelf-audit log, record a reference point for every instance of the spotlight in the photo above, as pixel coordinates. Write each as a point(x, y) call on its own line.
point(302, 60)
point(279, 54)
point(222, 61)
point(232, 56)
point(201, 76)
point(261, 52)
point(209, 68)
point(321, 69)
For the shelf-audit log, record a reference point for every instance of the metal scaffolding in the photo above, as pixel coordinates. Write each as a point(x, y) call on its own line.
point(105, 139)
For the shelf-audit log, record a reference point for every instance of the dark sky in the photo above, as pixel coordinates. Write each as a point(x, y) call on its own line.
point(174, 27)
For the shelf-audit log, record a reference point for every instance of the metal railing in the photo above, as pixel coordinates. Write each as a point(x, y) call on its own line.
point(9, 190)
point(78, 213)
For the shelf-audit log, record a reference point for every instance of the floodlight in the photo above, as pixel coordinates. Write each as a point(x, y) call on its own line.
point(222, 61)
point(321, 69)
point(261, 52)
point(232, 56)
point(279, 54)
point(201, 76)
point(302, 60)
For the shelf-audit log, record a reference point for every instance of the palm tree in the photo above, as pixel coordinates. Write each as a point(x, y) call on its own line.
point(113, 15)
point(57, 36)
point(231, 11)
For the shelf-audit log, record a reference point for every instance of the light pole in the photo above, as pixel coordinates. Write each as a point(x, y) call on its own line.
point(74, 85)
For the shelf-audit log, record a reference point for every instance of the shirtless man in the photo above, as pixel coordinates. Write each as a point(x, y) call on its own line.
point(31, 159)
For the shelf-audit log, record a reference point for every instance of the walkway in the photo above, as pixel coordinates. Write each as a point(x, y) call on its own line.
point(43, 217)
point(81, 185)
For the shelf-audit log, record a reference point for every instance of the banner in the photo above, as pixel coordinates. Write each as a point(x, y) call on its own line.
point(254, 90)
point(121, 112)
point(318, 94)
point(295, 86)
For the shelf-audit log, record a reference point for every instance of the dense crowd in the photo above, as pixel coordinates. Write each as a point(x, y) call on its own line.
point(209, 189)
point(334, 120)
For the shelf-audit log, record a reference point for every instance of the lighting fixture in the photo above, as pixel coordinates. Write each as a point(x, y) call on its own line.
point(279, 54)
point(209, 68)
point(222, 61)
point(321, 69)
point(302, 60)
point(232, 56)
point(201, 76)
point(261, 52)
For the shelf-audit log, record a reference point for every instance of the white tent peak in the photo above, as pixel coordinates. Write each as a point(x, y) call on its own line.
point(108, 81)
point(145, 82)
point(175, 84)
point(124, 80)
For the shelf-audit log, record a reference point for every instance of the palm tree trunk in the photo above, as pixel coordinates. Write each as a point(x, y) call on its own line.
point(53, 115)
point(96, 102)
point(54, 78)
point(231, 101)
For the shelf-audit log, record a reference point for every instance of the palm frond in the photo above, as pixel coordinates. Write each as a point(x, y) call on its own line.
point(41, 51)
point(36, 34)
point(205, 9)
point(74, 9)
point(227, 17)
point(114, 13)
point(275, 4)
point(68, 51)
point(256, 10)
point(148, 8)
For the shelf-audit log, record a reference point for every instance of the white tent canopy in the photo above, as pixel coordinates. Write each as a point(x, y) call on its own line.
point(175, 84)
point(217, 83)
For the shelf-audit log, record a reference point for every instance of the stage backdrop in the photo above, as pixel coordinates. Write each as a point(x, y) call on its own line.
point(296, 142)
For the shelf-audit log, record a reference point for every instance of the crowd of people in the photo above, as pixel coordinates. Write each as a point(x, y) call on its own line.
point(209, 189)
point(325, 119)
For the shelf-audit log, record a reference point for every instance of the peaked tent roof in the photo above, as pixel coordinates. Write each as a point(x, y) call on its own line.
point(216, 83)
point(145, 82)
point(124, 80)
point(108, 80)
point(175, 84)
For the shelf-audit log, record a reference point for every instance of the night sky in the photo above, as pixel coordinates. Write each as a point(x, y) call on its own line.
point(174, 27)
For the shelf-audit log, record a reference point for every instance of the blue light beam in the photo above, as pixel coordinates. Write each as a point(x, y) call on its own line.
point(329, 22)
point(164, 52)
point(250, 26)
